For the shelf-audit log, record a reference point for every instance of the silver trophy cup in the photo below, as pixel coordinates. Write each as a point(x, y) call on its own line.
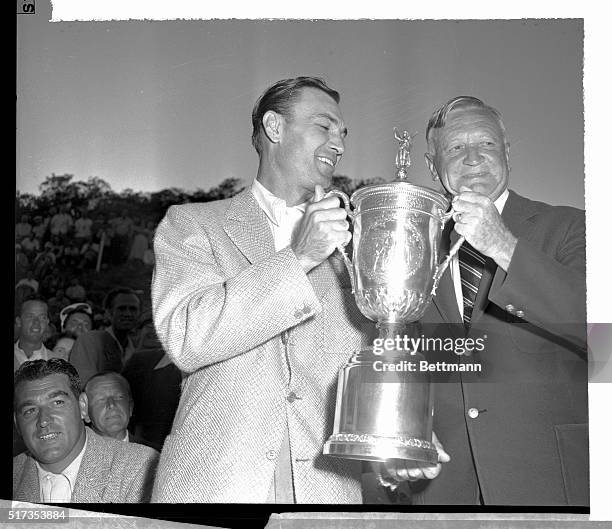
point(382, 410)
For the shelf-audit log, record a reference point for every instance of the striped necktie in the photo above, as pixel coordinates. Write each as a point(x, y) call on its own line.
point(471, 265)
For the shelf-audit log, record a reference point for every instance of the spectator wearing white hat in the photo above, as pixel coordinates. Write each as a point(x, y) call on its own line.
point(76, 319)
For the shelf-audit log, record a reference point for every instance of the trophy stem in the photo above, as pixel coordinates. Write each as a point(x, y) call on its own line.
point(390, 329)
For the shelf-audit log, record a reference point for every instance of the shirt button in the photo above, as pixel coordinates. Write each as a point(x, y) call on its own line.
point(473, 413)
point(520, 313)
point(298, 314)
point(271, 455)
point(306, 309)
point(292, 397)
point(510, 309)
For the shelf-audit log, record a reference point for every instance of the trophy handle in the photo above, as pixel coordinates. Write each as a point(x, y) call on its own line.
point(441, 268)
point(347, 206)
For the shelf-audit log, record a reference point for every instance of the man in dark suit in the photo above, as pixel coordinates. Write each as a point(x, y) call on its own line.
point(110, 348)
point(155, 383)
point(517, 431)
point(66, 462)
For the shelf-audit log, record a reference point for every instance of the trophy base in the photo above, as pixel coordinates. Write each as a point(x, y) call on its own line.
point(378, 448)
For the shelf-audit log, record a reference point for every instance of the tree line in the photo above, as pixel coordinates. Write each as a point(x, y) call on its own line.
point(96, 194)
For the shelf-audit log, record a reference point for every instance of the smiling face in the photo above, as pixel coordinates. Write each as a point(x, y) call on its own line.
point(310, 141)
point(32, 322)
point(471, 151)
point(49, 418)
point(109, 405)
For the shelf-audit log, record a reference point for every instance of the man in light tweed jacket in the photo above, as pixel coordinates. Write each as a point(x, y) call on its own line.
point(66, 462)
point(251, 301)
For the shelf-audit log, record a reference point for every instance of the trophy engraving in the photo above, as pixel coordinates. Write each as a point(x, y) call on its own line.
point(395, 269)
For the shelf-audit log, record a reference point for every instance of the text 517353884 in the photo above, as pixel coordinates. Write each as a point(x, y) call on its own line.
point(36, 514)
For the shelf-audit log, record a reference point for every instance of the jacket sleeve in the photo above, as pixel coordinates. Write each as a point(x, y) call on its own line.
point(202, 316)
point(546, 285)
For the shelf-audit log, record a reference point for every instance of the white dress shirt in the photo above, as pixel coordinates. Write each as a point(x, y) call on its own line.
point(282, 219)
point(58, 488)
point(454, 265)
point(19, 355)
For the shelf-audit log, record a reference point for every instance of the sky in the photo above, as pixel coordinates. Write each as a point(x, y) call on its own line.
point(153, 104)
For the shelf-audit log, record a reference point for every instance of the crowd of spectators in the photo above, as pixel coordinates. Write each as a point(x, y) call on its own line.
point(56, 253)
point(63, 310)
point(83, 327)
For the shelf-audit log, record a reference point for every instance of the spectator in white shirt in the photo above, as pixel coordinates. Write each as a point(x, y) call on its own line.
point(31, 325)
point(62, 222)
point(82, 227)
point(39, 228)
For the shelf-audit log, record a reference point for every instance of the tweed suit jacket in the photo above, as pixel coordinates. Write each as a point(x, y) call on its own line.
point(110, 472)
point(518, 430)
point(263, 343)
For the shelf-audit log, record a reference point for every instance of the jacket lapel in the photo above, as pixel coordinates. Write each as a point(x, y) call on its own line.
point(28, 488)
point(93, 475)
point(517, 213)
point(247, 227)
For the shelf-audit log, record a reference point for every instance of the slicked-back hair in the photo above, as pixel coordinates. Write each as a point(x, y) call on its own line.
point(280, 98)
point(39, 369)
point(438, 118)
point(106, 373)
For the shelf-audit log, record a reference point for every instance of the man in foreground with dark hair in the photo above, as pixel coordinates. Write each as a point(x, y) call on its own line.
point(65, 461)
point(517, 432)
point(249, 301)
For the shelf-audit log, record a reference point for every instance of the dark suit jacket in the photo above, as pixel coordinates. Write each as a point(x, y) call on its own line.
point(156, 394)
point(529, 443)
point(93, 352)
point(110, 472)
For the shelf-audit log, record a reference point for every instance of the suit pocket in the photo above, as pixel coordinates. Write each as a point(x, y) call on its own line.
point(573, 447)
